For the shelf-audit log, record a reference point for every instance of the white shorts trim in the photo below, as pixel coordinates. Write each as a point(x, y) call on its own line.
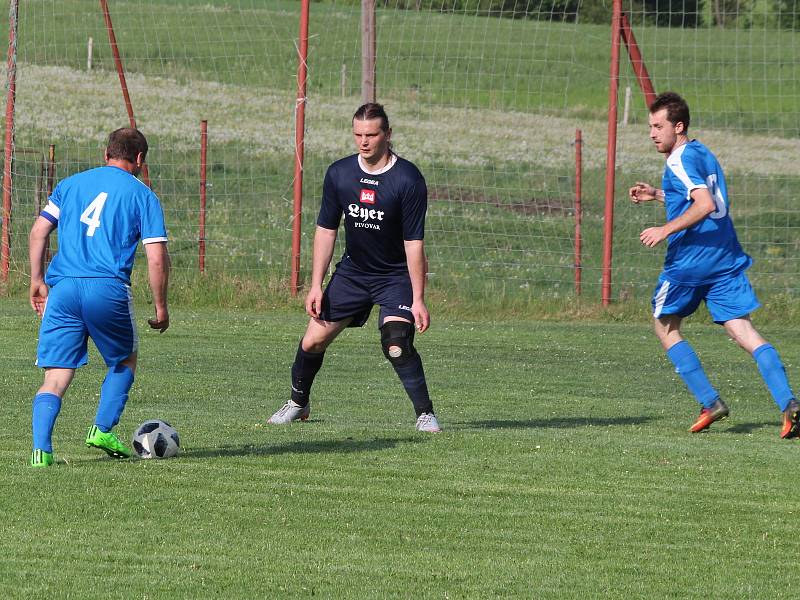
point(133, 320)
point(661, 298)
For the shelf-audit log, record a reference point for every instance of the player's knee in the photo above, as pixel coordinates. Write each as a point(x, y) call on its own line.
point(397, 341)
point(129, 362)
point(56, 381)
point(315, 345)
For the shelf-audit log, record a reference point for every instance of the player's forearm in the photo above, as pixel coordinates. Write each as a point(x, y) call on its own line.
point(696, 213)
point(36, 250)
point(37, 246)
point(324, 243)
point(159, 283)
point(158, 266)
point(415, 258)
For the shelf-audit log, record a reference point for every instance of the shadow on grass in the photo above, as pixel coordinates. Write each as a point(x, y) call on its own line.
point(749, 427)
point(344, 446)
point(556, 423)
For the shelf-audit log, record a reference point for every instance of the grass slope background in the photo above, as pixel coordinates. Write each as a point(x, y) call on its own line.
point(565, 469)
point(486, 107)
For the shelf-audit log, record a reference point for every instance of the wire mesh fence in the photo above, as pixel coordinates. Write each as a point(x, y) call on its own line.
point(484, 97)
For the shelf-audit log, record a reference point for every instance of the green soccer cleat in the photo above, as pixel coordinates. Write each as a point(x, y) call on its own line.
point(108, 442)
point(40, 458)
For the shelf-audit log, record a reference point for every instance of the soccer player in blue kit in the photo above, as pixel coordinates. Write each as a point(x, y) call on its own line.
point(704, 262)
point(384, 199)
point(101, 214)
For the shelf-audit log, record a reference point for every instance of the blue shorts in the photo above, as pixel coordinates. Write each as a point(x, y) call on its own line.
point(728, 299)
point(351, 293)
point(78, 309)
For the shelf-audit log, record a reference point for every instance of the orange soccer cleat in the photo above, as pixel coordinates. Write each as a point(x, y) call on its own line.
point(708, 415)
point(791, 421)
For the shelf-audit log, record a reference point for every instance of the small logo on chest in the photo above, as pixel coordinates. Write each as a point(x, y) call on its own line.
point(367, 197)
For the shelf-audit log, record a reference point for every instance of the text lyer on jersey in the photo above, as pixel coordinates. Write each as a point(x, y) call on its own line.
point(365, 214)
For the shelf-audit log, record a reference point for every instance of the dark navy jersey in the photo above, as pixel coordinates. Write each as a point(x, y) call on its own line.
point(381, 211)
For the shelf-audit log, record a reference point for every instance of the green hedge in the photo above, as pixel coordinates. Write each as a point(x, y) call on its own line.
point(729, 14)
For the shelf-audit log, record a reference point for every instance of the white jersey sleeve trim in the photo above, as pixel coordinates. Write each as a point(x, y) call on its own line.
point(52, 210)
point(153, 240)
point(676, 166)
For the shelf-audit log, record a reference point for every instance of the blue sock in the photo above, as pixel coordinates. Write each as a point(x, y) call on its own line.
point(688, 366)
point(113, 396)
point(45, 410)
point(774, 374)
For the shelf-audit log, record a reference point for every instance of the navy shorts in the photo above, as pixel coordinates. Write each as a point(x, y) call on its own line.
point(80, 308)
point(351, 293)
point(727, 299)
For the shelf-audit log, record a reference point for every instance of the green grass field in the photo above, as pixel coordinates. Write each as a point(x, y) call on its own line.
point(565, 469)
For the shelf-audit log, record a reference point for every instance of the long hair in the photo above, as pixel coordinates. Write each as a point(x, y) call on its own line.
point(373, 110)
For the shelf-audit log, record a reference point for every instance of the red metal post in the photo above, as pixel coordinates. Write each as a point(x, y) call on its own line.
point(578, 208)
point(639, 68)
point(203, 156)
point(611, 152)
point(121, 73)
point(8, 157)
point(299, 145)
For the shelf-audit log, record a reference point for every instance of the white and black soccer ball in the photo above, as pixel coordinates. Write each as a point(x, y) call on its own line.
point(156, 439)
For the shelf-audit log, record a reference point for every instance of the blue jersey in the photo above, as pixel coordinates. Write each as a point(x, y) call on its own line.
point(709, 250)
point(381, 210)
point(101, 215)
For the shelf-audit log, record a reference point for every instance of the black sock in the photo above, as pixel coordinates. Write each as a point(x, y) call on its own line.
point(413, 378)
point(305, 367)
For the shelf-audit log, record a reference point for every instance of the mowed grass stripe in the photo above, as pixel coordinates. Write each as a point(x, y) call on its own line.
point(565, 469)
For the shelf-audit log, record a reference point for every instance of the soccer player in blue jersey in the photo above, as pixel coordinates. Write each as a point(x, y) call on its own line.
point(383, 199)
point(101, 215)
point(704, 262)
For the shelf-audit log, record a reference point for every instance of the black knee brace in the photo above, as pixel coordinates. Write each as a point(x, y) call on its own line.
point(397, 341)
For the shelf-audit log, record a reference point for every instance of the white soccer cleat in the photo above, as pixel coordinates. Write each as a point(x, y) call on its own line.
point(291, 411)
point(427, 422)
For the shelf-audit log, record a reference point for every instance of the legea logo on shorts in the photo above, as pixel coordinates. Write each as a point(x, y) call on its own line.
point(367, 197)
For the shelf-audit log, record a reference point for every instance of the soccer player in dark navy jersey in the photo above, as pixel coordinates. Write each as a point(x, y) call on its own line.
point(383, 199)
point(101, 215)
point(704, 262)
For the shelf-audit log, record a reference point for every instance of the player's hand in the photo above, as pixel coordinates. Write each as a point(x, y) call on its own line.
point(314, 302)
point(161, 322)
point(642, 192)
point(422, 318)
point(652, 236)
point(38, 296)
